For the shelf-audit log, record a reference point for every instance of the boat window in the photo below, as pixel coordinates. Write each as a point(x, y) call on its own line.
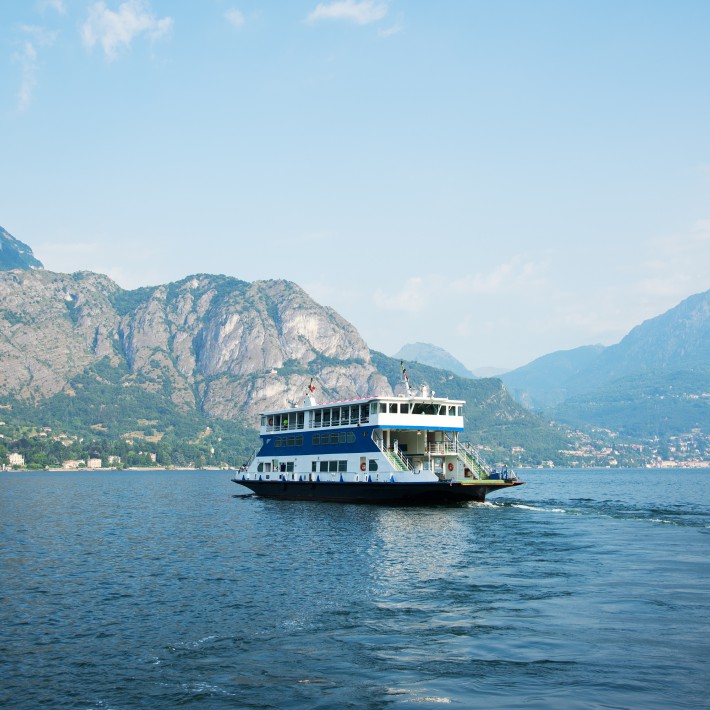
point(442, 410)
point(393, 407)
point(313, 466)
point(326, 417)
point(324, 467)
point(351, 438)
point(334, 438)
point(363, 413)
point(452, 411)
point(373, 407)
point(341, 437)
point(418, 408)
point(372, 465)
point(333, 466)
point(335, 417)
point(383, 408)
point(289, 467)
point(316, 440)
point(263, 421)
point(404, 408)
point(299, 440)
point(277, 442)
point(260, 467)
point(267, 467)
point(460, 411)
point(317, 418)
point(342, 466)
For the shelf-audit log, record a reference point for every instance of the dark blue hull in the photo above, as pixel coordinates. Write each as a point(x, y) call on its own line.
point(393, 493)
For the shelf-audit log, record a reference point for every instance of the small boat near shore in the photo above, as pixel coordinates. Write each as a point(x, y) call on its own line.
point(402, 449)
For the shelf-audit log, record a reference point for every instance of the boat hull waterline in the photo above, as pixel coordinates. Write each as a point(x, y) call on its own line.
point(377, 492)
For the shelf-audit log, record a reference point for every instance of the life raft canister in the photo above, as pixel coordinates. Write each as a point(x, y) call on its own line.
point(451, 467)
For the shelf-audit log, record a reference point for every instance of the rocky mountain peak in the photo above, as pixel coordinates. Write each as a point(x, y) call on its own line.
point(14, 254)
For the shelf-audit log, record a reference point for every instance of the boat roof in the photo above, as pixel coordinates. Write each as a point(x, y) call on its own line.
point(363, 400)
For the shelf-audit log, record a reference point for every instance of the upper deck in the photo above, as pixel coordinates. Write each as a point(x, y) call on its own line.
point(396, 412)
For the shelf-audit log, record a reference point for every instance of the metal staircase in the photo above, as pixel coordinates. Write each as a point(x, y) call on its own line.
point(470, 458)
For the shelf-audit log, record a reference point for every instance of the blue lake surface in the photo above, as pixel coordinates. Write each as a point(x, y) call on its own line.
point(581, 589)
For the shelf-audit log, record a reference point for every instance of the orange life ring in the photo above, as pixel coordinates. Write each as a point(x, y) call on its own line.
point(271, 421)
point(363, 466)
point(451, 467)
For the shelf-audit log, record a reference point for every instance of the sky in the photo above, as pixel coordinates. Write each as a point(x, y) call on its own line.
point(500, 178)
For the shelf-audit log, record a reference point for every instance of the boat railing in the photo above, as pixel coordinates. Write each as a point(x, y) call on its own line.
point(395, 455)
point(438, 448)
point(251, 458)
point(471, 458)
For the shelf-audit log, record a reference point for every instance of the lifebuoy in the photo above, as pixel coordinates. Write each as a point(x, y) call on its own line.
point(451, 467)
point(362, 466)
point(271, 421)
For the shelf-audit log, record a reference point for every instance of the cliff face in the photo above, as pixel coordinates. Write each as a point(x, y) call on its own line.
point(211, 343)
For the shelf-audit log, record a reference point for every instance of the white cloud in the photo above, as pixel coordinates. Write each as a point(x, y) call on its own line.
point(411, 298)
point(27, 59)
point(677, 265)
point(515, 275)
point(235, 18)
point(363, 12)
point(389, 31)
point(57, 5)
point(113, 30)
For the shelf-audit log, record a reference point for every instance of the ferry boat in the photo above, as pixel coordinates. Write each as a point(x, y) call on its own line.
point(386, 449)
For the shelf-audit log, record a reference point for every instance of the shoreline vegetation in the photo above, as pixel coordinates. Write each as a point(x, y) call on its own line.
point(675, 466)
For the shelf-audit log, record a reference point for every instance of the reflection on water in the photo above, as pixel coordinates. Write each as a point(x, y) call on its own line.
point(579, 589)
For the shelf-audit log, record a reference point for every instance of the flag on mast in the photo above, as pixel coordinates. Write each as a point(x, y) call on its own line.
point(311, 387)
point(404, 373)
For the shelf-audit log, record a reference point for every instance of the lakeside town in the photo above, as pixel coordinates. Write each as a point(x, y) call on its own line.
point(40, 449)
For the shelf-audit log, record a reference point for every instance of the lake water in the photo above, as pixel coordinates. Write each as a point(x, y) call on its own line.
point(586, 589)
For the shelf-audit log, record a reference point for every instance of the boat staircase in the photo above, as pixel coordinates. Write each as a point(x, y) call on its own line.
point(395, 456)
point(470, 458)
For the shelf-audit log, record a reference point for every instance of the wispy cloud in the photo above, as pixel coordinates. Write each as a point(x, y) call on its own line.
point(678, 264)
point(515, 275)
point(410, 298)
point(113, 30)
point(362, 12)
point(235, 18)
point(56, 5)
point(27, 59)
point(389, 31)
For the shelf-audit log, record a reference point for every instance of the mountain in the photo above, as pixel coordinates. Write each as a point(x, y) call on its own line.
point(184, 368)
point(433, 356)
point(15, 255)
point(654, 383)
point(543, 383)
point(215, 344)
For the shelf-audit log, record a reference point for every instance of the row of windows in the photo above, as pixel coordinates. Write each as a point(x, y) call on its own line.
point(288, 441)
point(337, 466)
point(342, 437)
point(316, 466)
point(417, 408)
point(335, 438)
point(355, 414)
point(335, 416)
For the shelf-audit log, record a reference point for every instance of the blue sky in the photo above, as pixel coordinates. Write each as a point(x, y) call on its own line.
point(502, 179)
